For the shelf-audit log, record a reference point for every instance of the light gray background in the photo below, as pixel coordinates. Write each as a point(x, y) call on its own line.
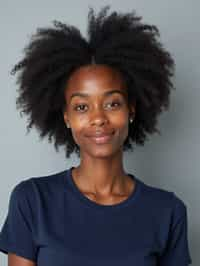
point(170, 161)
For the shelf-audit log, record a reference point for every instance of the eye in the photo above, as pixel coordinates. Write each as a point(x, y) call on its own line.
point(115, 103)
point(77, 106)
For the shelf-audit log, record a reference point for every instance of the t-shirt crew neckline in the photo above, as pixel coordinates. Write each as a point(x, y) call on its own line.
point(131, 198)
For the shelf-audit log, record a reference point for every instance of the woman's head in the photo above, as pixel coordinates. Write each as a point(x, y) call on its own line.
point(127, 54)
point(97, 104)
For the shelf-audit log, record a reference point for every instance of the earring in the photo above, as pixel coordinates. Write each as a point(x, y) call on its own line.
point(131, 120)
point(67, 124)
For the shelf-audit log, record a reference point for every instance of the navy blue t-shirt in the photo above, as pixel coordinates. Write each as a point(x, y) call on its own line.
point(50, 221)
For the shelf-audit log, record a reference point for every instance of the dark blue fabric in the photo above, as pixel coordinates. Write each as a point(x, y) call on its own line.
point(52, 223)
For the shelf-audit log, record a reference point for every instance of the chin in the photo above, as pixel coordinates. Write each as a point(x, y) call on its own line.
point(103, 152)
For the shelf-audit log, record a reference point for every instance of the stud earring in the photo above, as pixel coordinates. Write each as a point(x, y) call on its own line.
point(131, 120)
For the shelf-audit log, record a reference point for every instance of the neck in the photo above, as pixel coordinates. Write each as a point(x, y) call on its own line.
point(101, 175)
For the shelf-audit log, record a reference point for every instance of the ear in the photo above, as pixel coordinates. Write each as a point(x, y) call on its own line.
point(132, 109)
point(65, 116)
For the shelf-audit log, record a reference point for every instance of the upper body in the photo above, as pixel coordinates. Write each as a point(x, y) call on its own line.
point(96, 97)
point(51, 222)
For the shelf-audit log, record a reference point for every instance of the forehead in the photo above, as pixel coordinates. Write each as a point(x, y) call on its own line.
point(94, 79)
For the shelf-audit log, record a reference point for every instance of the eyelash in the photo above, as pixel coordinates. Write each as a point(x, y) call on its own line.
point(114, 102)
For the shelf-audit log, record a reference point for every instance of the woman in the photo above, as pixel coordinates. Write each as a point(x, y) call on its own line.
point(95, 97)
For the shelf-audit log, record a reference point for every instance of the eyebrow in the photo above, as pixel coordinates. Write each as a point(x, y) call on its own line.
point(105, 93)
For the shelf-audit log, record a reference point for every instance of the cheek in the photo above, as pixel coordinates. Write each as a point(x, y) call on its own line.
point(121, 125)
point(78, 127)
point(122, 130)
point(120, 122)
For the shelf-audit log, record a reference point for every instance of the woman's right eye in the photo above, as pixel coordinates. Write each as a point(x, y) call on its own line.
point(77, 106)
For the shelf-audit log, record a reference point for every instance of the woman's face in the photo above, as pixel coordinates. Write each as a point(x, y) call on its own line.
point(97, 105)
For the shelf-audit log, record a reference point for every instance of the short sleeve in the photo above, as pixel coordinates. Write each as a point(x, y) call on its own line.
point(177, 249)
point(16, 235)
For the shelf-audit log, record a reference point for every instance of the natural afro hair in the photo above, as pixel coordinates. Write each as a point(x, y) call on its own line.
point(118, 40)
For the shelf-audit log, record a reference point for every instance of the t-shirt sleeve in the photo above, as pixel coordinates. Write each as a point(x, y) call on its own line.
point(16, 235)
point(177, 250)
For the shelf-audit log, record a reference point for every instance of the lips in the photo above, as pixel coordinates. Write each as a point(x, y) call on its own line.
point(101, 140)
point(99, 134)
point(101, 137)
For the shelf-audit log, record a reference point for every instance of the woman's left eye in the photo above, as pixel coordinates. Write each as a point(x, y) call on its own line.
point(115, 103)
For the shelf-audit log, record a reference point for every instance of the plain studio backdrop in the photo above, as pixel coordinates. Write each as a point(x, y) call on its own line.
point(170, 161)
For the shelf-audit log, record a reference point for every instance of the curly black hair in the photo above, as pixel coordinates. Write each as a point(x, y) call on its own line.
point(118, 40)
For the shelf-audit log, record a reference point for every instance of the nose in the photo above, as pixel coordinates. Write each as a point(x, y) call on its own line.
point(98, 117)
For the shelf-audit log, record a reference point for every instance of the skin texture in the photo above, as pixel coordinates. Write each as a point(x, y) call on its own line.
point(100, 175)
point(14, 260)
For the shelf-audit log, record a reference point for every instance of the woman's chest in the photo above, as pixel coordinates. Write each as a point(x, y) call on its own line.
point(77, 237)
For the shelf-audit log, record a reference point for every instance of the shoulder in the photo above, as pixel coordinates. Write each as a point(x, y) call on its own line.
point(160, 200)
point(34, 186)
